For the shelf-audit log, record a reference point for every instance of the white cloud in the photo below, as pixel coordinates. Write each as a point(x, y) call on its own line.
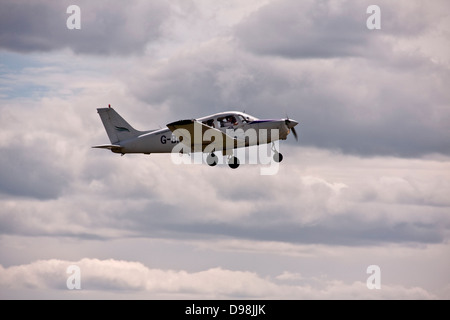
point(311, 30)
point(287, 276)
point(133, 279)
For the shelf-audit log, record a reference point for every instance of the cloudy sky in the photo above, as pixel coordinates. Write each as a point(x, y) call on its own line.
point(366, 184)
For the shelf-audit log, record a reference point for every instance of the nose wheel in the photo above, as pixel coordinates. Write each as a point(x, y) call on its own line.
point(277, 157)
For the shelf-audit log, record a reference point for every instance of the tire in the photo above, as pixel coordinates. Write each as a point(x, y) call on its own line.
point(233, 163)
point(277, 157)
point(212, 160)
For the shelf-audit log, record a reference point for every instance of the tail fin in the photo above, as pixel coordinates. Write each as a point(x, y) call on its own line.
point(116, 126)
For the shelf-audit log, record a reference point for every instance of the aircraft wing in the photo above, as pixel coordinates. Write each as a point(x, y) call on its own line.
point(200, 137)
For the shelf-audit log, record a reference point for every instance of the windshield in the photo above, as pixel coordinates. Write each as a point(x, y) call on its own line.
point(245, 118)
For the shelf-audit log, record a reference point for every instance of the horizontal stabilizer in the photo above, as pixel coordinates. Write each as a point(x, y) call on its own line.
point(112, 147)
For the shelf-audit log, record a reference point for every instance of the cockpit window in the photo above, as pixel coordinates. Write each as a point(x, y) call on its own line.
point(209, 122)
point(243, 119)
point(248, 118)
point(227, 121)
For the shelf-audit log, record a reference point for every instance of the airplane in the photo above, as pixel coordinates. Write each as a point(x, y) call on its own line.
point(224, 132)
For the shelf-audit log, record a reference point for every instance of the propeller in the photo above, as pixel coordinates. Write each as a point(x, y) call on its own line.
point(288, 122)
point(295, 134)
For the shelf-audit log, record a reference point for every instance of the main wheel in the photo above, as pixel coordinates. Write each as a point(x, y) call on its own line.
point(212, 160)
point(233, 163)
point(277, 157)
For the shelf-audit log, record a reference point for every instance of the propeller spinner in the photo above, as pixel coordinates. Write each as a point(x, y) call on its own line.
point(291, 124)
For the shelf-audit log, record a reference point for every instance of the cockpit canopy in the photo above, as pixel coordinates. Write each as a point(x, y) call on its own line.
point(231, 119)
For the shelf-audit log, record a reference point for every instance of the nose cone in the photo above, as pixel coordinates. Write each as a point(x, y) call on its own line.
point(291, 123)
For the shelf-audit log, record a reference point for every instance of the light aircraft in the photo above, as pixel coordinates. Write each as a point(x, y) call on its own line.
point(222, 132)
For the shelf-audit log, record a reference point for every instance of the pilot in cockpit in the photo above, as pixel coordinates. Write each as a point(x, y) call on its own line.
point(228, 122)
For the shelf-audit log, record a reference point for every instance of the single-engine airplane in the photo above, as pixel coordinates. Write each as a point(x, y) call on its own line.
point(222, 132)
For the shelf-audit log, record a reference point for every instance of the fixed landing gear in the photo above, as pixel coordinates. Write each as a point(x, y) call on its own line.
point(212, 159)
point(277, 157)
point(233, 162)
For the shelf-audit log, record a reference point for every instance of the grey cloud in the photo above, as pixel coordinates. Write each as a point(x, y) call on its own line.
point(106, 27)
point(369, 100)
point(30, 175)
point(193, 85)
point(308, 29)
point(330, 29)
point(146, 201)
point(278, 222)
point(344, 231)
point(359, 107)
point(309, 219)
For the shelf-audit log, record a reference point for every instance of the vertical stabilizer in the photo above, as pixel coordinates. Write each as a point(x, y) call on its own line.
point(116, 126)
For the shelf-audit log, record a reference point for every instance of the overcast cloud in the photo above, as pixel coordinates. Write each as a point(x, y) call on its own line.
point(107, 27)
point(367, 182)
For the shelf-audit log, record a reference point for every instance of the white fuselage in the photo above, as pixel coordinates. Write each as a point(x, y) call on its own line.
point(244, 127)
